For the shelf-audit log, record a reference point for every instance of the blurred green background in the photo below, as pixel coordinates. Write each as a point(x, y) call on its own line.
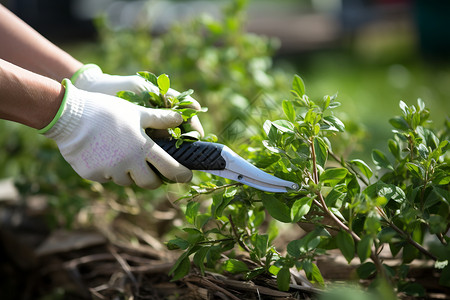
point(372, 53)
point(239, 57)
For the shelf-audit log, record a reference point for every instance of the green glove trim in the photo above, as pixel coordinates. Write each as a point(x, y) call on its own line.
point(60, 110)
point(77, 74)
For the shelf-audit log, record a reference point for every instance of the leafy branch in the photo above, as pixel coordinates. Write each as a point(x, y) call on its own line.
point(397, 206)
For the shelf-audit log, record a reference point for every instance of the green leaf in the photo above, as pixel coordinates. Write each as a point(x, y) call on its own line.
point(298, 86)
point(276, 208)
point(163, 83)
point(416, 170)
point(364, 248)
point(321, 150)
point(184, 103)
point(333, 176)
point(334, 198)
point(372, 223)
point(312, 272)
point(423, 151)
point(149, 76)
point(353, 187)
point(191, 211)
point(154, 99)
point(175, 132)
point(316, 129)
point(334, 104)
point(201, 220)
point(363, 167)
point(326, 102)
point(199, 258)
point(346, 244)
point(235, 266)
point(272, 148)
point(386, 235)
point(284, 126)
point(395, 248)
point(412, 289)
point(187, 113)
point(309, 242)
point(389, 191)
point(130, 96)
point(409, 253)
point(296, 248)
point(254, 273)
point(300, 208)
point(335, 122)
point(283, 279)
point(437, 224)
point(315, 275)
point(191, 136)
point(260, 242)
point(365, 270)
point(404, 107)
point(399, 123)
point(217, 201)
point(177, 243)
point(194, 235)
point(381, 160)
point(394, 149)
point(421, 104)
point(183, 96)
point(441, 177)
point(181, 267)
point(178, 143)
point(289, 110)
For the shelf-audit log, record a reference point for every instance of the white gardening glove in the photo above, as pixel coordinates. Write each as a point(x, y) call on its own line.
point(91, 78)
point(103, 138)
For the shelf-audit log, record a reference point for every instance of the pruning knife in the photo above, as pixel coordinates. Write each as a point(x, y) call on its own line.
point(220, 160)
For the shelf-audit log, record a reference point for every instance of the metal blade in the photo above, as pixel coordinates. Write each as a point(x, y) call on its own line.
point(242, 171)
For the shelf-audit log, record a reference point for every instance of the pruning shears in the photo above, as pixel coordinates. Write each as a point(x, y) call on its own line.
point(220, 160)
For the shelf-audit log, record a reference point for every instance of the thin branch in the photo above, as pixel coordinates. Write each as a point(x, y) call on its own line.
point(215, 241)
point(207, 191)
point(238, 237)
point(406, 235)
point(125, 266)
point(211, 285)
point(373, 256)
point(350, 167)
point(314, 161)
point(322, 225)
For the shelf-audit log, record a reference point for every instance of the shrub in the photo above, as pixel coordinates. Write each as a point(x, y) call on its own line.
point(346, 204)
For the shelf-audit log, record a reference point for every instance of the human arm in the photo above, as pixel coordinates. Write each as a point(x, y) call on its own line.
point(25, 47)
point(26, 97)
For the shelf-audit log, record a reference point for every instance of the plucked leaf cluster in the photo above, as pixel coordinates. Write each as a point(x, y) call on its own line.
point(180, 102)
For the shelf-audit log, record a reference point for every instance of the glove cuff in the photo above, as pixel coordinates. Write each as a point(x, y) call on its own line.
point(69, 114)
point(85, 75)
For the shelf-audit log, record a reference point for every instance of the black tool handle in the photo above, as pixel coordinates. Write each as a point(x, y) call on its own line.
point(195, 155)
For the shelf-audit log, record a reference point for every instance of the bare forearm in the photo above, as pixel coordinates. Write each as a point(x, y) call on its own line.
point(25, 47)
point(26, 97)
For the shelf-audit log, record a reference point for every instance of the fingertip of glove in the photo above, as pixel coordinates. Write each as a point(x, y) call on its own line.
point(149, 181)
point(161, 118)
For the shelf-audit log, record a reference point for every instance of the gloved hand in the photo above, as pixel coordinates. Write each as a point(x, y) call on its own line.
point(91, 78)
point(103, 138)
